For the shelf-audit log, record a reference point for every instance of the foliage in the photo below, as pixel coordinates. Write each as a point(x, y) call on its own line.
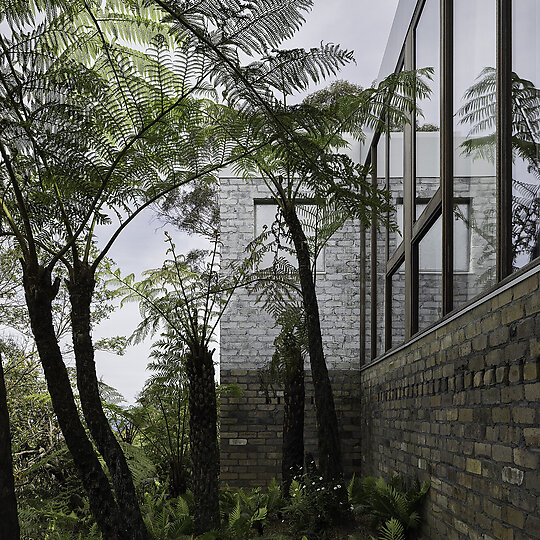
point(161, 416)
point(333, 93)
point(246, 513)
point(388, 503)
point(55, 518)
point(40, 458)
point(316, 505)
point(167, 518)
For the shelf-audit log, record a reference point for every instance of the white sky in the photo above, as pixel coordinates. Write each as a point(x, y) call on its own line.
point(359, 25)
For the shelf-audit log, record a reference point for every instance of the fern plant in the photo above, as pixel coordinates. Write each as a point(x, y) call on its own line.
point(386, 503)
point(246, 512)
point(166, 519)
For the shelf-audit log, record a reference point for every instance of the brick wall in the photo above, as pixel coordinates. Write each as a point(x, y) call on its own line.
point(247, 331)
point(460, 407)
point(251, 427)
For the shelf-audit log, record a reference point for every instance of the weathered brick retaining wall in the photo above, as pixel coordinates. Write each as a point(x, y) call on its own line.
point(460, 407)
point(251, 427)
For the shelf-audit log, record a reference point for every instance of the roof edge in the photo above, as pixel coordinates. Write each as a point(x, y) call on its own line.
point(400, 27)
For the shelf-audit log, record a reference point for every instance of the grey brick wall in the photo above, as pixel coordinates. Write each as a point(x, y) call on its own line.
point(247, 331)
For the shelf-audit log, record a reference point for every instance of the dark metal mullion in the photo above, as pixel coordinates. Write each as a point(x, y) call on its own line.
point(411, 277)
point(396, 260)
point(504, 139)
point(430, 214)
point(388, 312)
point(447, 152)
point(373, 239)
point(387, 293)
point(363, 284)
point(363, 278)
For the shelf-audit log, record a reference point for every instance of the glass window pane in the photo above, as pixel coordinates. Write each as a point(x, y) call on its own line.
point(474, 146)
point(398, 306)
point(428, 115)
point(380, 281)
point(526, 131)
point(430, 276)
point(395, 185)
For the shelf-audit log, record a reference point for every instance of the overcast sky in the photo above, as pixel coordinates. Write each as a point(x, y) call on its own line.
point(359, 25)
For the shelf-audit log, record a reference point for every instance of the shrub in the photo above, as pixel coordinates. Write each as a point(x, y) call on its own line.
point(316, 505)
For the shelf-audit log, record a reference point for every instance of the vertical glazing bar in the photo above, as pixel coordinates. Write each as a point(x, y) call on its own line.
point(447, 154)
point(504, 138)
point(363, 279)
point(387, 294)
point(411, 288)
point(388, 312)
point(373, 262)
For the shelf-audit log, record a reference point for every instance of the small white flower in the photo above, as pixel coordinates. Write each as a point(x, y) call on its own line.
point(320, 477)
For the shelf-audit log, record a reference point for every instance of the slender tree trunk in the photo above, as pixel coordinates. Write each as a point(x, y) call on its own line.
point(81, 288)
point(292, 460)
point(327, 426)
point(177, 479)
point(203, 439)
point(9, 521)
point(40, 292)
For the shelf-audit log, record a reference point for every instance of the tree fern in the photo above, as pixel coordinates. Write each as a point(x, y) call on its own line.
point(392, 530)
point(479, 114)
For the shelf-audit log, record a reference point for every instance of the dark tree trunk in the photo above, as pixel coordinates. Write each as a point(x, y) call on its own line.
point(330, 462)
point(177, 478)
point(9, 522)
point(40, 292)
point(203, 439)
point(81, 288)
point(292, 460)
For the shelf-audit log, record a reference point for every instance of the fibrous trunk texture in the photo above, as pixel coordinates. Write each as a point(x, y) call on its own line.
point(81, 287)
point(9, 522)
point(40, 292)
point(203, 439)
point(329, 447)
point(293, 421)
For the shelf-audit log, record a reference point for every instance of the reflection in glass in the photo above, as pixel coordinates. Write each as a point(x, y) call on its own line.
point(380, 263)
point(427, 138)
point(474, 149)
point(395, 185)
point(525, 132)
point(430, 276)
point(398, 306)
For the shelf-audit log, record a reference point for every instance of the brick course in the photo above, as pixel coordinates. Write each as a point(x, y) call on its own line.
point(251, 426)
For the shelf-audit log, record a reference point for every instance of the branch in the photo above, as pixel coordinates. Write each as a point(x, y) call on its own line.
point(155, 198)
point(31, 253)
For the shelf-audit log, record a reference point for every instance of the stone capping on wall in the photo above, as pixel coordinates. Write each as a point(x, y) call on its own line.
point(507, 283)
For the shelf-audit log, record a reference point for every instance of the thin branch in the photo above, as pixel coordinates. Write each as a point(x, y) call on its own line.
point(32, 253)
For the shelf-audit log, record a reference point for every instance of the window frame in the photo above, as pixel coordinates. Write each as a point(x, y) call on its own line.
point(442, 202)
